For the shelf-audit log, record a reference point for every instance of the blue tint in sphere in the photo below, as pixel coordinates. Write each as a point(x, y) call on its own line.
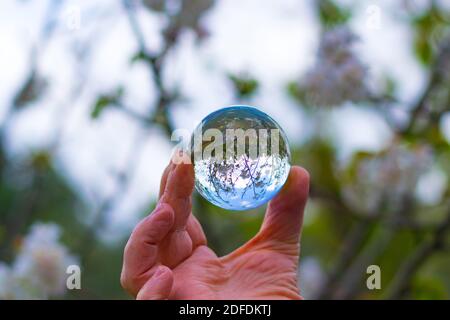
point(241, 158)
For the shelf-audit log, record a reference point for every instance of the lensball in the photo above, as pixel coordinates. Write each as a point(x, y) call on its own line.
point(241, 158)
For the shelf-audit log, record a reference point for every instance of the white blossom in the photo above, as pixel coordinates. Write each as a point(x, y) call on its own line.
point(382, 182)
point(6, 283)
point(338, 75)
point(39, 270)
point(431, 186)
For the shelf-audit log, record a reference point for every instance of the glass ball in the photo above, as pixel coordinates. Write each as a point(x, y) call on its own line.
point(241, 158)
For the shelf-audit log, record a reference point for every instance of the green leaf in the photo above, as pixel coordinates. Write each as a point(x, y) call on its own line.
point(331, 14)
point(294, 91)
point(429, 30)
point(245, 86)
point(423, 49)
point(105, 101)
point(140, 56)
point(100, 105)
point(390, 87)
point(301, 95)
point(41, 160)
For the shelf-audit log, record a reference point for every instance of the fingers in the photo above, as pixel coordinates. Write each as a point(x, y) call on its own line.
point(183, 188)
point(178, 184)
point(159, 285)
point(141, 251)
point(154, 227)
point(195, 231)
point(168, 235)
point(284, 217)
point(165, 174)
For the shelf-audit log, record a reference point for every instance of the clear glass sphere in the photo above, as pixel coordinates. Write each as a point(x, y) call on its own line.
point(241, 158)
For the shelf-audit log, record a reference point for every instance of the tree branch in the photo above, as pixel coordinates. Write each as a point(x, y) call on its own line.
point(160, 114)
point(436, 78)
point(404, 276)
point(350, 248)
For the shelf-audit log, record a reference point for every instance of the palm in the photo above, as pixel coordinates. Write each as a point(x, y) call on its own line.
point(248, 273)
point(264, 268)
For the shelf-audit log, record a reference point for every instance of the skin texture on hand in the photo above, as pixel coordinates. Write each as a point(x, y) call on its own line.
point(167, 257)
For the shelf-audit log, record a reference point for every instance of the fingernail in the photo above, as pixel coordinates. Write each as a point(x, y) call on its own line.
point(176, 156)
point(181, 156)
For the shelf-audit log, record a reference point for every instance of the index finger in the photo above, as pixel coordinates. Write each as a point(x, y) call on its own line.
point(177, 192)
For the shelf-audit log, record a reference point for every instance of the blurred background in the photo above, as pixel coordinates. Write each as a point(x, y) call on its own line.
point(90, 92)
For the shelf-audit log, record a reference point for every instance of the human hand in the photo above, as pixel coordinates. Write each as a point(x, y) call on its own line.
point(167, 257)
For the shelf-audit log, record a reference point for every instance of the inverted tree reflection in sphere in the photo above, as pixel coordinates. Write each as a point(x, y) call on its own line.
point(241, 158)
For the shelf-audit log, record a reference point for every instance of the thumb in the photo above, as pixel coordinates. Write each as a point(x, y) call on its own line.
point(159, 285)
point(284, 217)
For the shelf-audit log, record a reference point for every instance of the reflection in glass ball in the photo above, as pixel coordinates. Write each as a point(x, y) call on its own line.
point(241, 158)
